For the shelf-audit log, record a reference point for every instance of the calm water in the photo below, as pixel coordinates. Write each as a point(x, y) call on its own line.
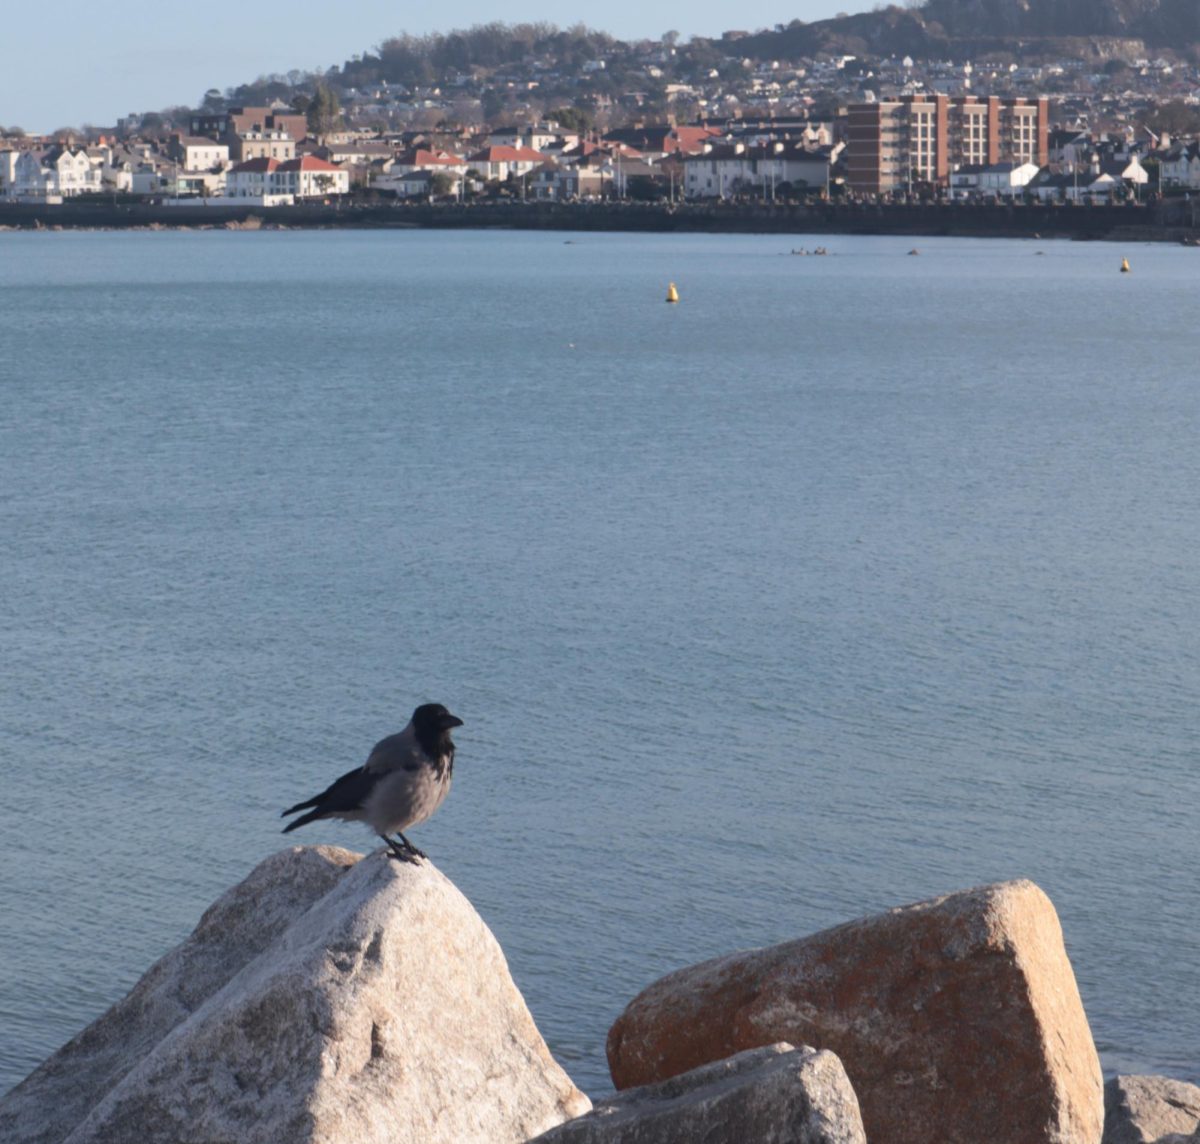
point(846, 582)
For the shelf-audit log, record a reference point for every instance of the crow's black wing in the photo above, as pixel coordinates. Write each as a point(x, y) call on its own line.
point(347, 793)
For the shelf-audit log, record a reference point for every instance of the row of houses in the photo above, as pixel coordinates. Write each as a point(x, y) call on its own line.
point(542, 160)
point(716, 170)
point(1097, 181)
point(65, 171)
point(220, 155)
point(57, 173)
point(959, 147)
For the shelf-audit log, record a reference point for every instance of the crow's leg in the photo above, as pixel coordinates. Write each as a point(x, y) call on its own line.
point(411, 848)
point(395, 850)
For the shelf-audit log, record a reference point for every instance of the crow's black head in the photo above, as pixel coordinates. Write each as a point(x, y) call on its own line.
point(433, 724)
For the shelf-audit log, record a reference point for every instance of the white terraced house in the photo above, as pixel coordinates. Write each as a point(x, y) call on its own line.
point(62, 171)
point(271, 180)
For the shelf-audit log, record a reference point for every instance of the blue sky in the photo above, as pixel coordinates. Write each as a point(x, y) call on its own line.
point(79, 61)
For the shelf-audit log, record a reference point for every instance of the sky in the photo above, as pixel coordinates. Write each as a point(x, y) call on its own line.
point(76, 61)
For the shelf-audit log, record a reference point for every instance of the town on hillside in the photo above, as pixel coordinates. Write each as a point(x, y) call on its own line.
point(579, 117)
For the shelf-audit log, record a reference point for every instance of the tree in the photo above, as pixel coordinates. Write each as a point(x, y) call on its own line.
point(575, 119)
point(1174, 117)
point(644, 189)
point(494, 104)
point(472, 182)
point(441, 184)
point(324, 112)
point(1153, 167)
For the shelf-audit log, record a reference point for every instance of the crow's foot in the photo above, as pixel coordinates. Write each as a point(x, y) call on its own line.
point(402, 853)
point(409, 846)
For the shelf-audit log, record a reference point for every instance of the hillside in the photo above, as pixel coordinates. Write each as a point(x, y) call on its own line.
point(1163, 23)
point(1098, 28)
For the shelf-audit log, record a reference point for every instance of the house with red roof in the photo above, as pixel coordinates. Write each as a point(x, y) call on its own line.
point(275, 182)
point(500, 162)
point(427, 159)
point(252, 179)
point(657, 142)
point(411, 172)
point(309, 177)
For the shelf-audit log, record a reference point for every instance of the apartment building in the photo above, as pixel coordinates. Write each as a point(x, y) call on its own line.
point(892, 144)
point(248, 121)
point(262, 145)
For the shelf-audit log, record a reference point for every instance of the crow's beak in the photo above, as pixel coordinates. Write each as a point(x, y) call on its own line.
point(448, 721)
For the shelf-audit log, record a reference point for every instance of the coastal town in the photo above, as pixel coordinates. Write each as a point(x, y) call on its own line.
point(582, 117)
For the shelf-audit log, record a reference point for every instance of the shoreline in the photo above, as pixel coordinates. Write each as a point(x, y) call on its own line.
point(1166, 222)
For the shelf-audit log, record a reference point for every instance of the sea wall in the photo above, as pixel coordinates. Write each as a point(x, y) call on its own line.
point(1174, 221)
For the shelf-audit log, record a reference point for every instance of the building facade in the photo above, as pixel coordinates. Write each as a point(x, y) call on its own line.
point(720, 172)
point(61, 172)
point(262, 145)
point(270, 181)
point(893, 144)
point(198, 153)
point(248, 120)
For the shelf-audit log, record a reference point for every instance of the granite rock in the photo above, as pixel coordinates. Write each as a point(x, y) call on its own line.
point(958, 1019)
point(1150, 1110)
point(773, 1095)
point(328, 998)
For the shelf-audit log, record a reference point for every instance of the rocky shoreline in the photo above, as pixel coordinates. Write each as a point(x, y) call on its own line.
point(1171, 221)
point(343, 999)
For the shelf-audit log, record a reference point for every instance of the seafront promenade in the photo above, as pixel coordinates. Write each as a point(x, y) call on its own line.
point(1172, 221)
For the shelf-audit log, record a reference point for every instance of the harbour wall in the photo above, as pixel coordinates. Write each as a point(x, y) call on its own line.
point(1173, 221)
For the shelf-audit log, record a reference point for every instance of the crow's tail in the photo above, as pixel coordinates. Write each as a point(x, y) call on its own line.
point(304, 818)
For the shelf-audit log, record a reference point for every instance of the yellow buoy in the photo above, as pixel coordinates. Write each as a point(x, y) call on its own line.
point(1124, 265)
point(672, 293)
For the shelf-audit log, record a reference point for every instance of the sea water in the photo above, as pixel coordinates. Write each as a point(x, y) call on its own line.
point(845, 582)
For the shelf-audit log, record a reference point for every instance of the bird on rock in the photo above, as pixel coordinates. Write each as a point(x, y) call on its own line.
point(404, 780)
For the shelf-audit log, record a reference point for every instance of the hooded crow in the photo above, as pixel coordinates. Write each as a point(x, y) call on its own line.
point(404, 780)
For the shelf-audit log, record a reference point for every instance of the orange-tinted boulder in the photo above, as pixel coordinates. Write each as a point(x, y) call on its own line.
point(958, 1020)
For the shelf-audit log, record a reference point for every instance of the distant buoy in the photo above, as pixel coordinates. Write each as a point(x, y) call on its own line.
point(1124, 265)
point(672, 293)
point(914, 251)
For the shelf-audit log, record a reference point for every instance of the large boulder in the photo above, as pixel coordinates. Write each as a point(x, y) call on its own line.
point(773, 1095)
point(958, 1019)
point(1149, 1110)
point(324, 999)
